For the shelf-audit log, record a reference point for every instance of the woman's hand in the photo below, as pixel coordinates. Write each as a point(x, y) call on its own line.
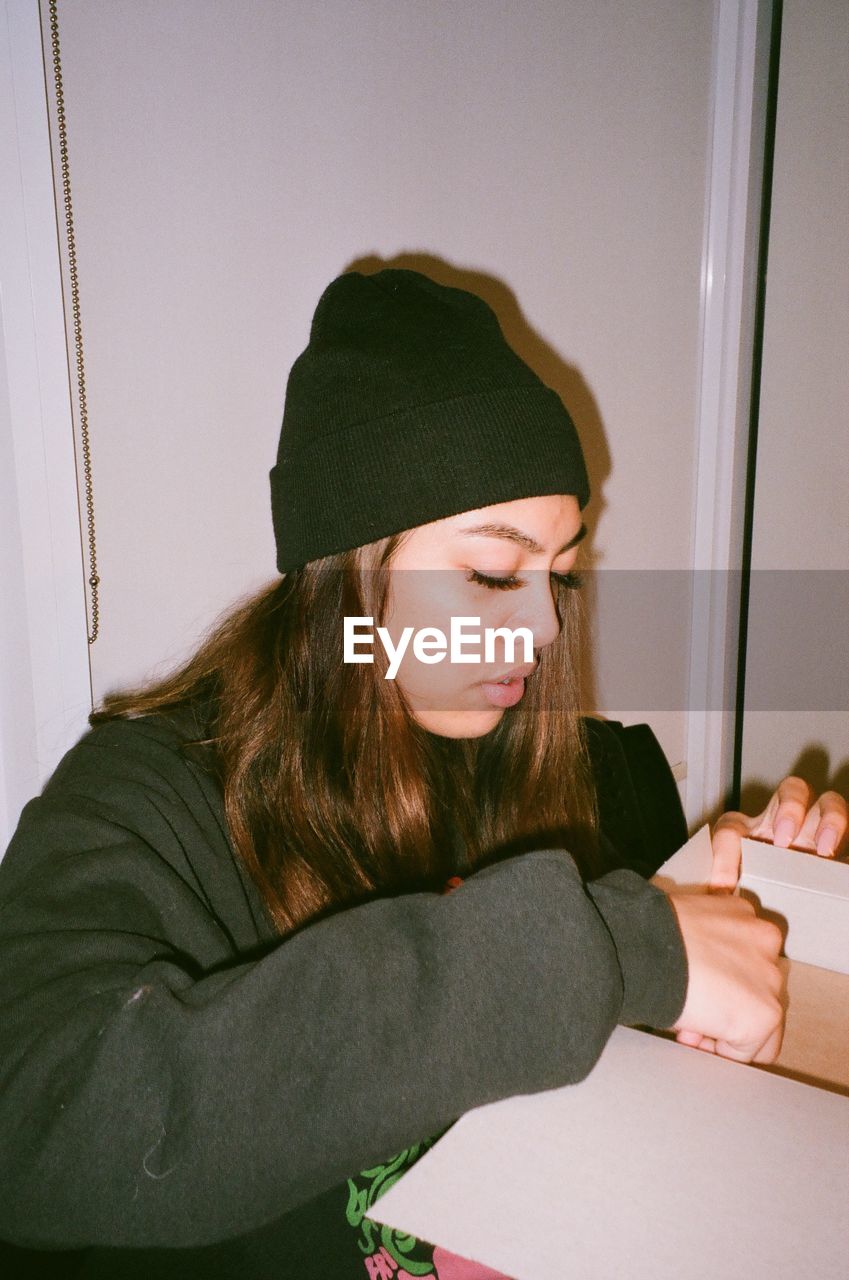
point(733, 1005)
point(794, 816)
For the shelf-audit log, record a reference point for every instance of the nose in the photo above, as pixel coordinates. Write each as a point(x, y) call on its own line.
point(537, 610)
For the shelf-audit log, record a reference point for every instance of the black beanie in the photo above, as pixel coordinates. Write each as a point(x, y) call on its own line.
point(408, 406)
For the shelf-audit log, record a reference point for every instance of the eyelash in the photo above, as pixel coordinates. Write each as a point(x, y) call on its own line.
point(572, 581)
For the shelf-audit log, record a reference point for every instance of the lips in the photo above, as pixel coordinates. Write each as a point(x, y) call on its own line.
point(508, 689)
point(516, 673)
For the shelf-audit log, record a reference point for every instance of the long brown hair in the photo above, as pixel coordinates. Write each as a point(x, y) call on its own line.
point(332, 791)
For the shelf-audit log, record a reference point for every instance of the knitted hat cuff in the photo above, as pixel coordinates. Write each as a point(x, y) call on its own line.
point(422, 464)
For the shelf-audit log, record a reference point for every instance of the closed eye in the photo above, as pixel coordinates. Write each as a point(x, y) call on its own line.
point(573, 581)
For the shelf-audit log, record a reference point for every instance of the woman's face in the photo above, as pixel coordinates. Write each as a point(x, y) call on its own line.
point(495, 564)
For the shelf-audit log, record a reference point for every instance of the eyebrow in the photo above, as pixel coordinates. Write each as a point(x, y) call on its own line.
point(510, 533)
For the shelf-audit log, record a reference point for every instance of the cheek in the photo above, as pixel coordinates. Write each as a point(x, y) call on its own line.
point(431, 597)
point(425, 598)
point(417, 600)
point(437, 684)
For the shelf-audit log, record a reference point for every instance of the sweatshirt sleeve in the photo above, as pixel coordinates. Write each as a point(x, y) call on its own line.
point(161, 1087)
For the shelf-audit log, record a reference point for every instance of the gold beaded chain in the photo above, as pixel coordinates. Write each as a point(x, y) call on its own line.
point(93, 579)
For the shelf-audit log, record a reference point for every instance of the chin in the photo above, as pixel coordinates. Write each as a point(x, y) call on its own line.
point(459, 724)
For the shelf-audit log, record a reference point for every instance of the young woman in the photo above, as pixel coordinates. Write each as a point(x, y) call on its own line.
point(277, 921)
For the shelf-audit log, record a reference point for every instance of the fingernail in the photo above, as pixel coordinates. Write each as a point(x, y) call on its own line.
point(827, 842)
point(784, 833)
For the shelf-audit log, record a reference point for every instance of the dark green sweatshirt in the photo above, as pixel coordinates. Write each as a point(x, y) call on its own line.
point(171, 1075)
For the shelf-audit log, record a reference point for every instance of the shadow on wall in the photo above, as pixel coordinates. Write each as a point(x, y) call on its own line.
point(554, 371)
point(812, 765)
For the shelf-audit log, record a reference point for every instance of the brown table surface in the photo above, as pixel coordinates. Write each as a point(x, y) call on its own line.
point(816, 1036)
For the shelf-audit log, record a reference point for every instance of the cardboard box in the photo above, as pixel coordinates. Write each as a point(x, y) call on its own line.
point(665, 1162)
point(807, 896)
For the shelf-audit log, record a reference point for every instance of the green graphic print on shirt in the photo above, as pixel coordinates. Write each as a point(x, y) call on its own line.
point(375, 1241)
point(389, 1254)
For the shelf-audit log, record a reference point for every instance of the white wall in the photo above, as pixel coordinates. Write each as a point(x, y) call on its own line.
point(801, 528)
point(45, 694)
point(229, 159)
